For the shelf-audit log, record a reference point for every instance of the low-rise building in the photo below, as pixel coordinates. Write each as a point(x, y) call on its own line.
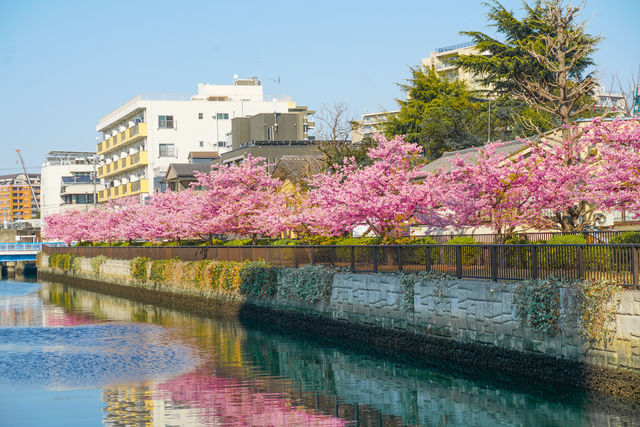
point(145, 135)
point(68, 181)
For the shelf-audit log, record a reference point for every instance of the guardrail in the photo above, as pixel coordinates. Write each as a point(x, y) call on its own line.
point(497, 262)
point(20, 247)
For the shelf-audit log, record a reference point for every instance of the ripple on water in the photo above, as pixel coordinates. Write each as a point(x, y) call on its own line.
point(89, 355)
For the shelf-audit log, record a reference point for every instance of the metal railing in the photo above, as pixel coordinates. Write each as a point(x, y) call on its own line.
point(496, 262)
point(590, 236)
point(20, 247)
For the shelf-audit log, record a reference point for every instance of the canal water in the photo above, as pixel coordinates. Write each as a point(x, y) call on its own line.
point(71, 357)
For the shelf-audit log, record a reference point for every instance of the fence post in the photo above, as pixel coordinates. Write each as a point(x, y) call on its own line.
point(374, 253)
point(313, 258)
point(494, 262)
point(332, 256)
point(399, 254)
point(295, 256)
point(427, 259)
point(352, 253)
point(459, 261)
point(580, 263)
point(635, 260)
point(534, 262)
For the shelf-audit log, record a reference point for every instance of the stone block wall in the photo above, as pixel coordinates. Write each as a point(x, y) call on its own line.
point(480, 312)
point(467, 311)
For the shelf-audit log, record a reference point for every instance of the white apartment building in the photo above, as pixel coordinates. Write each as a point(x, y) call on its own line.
point(67, 182)
point(370, 124)
point(142, 137)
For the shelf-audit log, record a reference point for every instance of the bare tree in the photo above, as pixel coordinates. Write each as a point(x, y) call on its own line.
point(333, 136)
point(559, 92)
point(628, 91)
point(334, 123)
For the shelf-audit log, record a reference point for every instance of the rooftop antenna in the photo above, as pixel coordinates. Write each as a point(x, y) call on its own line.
point(259, 64)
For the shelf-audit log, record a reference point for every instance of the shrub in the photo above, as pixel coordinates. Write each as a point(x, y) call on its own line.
point(627, 237)
point(96, 263)
point(321, 240)
point(238, 242)
point(561, 257)
point(257, 278)
point(470, 256)
point(76, 264)
point(286, 242)
point(138, 268)
point(311, 283)
point(417, 255)
point(361, 254)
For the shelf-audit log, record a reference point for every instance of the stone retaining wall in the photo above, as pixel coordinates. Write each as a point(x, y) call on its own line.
point(475, 317)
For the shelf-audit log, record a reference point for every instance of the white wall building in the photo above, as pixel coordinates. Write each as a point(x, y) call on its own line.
point(67, 182)
point(142, 137)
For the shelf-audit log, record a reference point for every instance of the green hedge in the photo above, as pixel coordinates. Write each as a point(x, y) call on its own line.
point(470, 256)
point(417, 255)
point(361, 254)
point(627, 237)
point(561, 257)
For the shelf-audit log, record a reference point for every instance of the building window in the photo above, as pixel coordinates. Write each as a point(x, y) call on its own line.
point(167, 150)
point(165, 122)
point(220, 143)
point(200, 116)
point(222, 116)
point(201, 143)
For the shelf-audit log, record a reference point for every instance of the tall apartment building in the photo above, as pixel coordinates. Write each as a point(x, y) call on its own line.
point(68, 180)
point(442, 60)
point(16, 200)
point(145, 135)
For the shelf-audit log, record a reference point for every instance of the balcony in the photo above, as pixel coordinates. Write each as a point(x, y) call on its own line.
point(123, 138)
point(122, 165)
point(124, 190)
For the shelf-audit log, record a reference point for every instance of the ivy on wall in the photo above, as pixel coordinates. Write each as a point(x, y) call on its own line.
point(97, 262)
point(591, 302)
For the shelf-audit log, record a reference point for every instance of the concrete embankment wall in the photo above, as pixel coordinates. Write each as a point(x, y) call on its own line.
point(470, 322)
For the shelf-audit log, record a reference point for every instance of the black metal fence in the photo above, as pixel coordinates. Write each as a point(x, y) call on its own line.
point(497, 262)
point(592, 237)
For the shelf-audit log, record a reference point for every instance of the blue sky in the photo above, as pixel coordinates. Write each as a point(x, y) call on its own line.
point(65, 64)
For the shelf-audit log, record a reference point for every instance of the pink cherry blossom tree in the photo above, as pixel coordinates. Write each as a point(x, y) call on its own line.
point(386, 196)
point(243, 199)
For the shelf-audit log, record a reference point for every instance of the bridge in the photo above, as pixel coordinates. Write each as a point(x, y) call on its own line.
point(19, 251)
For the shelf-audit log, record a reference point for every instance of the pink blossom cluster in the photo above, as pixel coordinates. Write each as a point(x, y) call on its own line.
point(599, 165)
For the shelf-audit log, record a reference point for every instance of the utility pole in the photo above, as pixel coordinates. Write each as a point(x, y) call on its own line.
point(33, 193)
point(489, 127)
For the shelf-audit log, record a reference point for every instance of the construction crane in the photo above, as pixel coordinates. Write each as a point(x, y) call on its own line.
point(636, 100)
point(33, 193)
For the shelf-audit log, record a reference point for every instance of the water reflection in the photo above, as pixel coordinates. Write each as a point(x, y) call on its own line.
point(160, 367)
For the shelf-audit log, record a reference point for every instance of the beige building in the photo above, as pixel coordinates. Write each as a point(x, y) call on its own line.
point(370, 124)
point(442, 60)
